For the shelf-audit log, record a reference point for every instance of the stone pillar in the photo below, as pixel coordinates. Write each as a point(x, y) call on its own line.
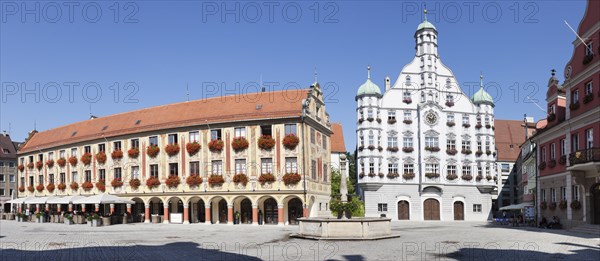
point(83, 208)
point(568, 198)
point(146, 213)
point(97, 207)
point(230, 214)
point(305, 212)
point(37, 208)
point(129, 209)
point(186, 215)
point(58, 208)
point(112, 208)
point(70, 207)
point(254, 215)
point(166, 215)
point(207, 215)
point(47, 207)
point(280, 215)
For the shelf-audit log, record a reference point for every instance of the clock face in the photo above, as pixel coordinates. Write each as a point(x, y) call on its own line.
point(431, 118)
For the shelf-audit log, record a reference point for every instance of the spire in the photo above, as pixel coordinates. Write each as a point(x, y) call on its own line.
point(316, 75)
point(481, 80)
point(425, 11)
point(368, 71)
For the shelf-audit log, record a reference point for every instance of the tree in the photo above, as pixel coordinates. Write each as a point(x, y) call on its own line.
point(336, 179)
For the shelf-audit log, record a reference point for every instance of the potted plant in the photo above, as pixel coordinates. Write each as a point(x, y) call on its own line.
point(30, 165)
point(408, 175)
point(551, 116)
point(94, 220)
point(215, 146)
point(407, 100)
point(215, 180)
point(562, 160)
point(152, 182)
point(117, 155)
point(21, 167)
point(39, 188)
point(266, 142)
point(61, 162)
point(172, 149)
point(451, 176)
point(100, 185)
point(39, 165)
point(575, 204)
point(62, 186)
point(381, 175)
point(73, 161)
point(31, 189)
point(432, 149)
point(392, 121)
point(466, 151)
point(478, 178)
point(574, 106)
point(378, 120)
point(370, 119)
point(543, 205)
point(478, 153)
point(450, 124)
point(192, 148)
point(372, 174)
point(193, 180)
point(466, 177)
point(407, 121)
point(50, 187)
point(133, 152)
point(392, 149)
point(173, 181)
point(432, 175)
point(87, 186)
point(86, 158)
point(74, 185)
point(291, 178)
point(392, 175)
point(562, 204)
point(488, 152)
point(451, 151)
point(68, 219)
point(487, 126)
point(266, 178)
point(240, 179)
point(542, 165)
point(152, 151)
point(478, 125)
point(101, 157)
point(361, 120)
point(588, 98)
point(361, 175)
point(407, 149)
point(466, 125)
point(116, 183)
point(39, 218)
point(239, 144)
point(290, 141)
point(552, 206)
point(21, 189)
point(552, 163)
point(135, 183)
point(449, 103)
point(379, 148)
point(488, 177)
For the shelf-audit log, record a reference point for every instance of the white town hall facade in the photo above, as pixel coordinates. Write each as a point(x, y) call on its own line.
point(425, 150)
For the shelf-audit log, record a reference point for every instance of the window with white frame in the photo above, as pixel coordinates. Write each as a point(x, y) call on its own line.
point(406, 95)
point(479, 171)
point(313, 169)
point(290, 129)
point(391, 115)
point(407, 115)
point(362, 140)
point(73, 152)
point(543, 193)
point(50, 178)
point(172, 138)
point(451, 117)
point(371, 167)
point(195, 168)
point(451, 144)
point(574, 142)
point(431, 141)
point(266, 165)
point(194, 136)
point(117, 145)
point(431, 168)
point(217, 167)
point(291, 165)
point(563, 147)
point(466, 170)
point(479, 147)
point(74, 177)
point(478, 119)
point(240, 166)
point(589, 138)
point(135, 172)
point(575, 96)
point(589, 88)
point(563, 193)
point(371, 138)
point(392, 141)
point(153, 140)
point(408, 142)
point(575, 192)
point(466, 145)
point(543, 154)
point(382, 207)
point(370, 113)
point(409, 168)
point(451, 169)
point(117, 173)
point(552, 151)
point(88, 176)
point(154, 170)
point(239, 132)
point(215, 134)
point(392, 167)
point(465, 119)
point(477, 208)
point(553, 195)
point(173, 169)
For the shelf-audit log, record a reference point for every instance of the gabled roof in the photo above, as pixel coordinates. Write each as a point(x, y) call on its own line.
point(7, 144)
point(509, 135)
point(223, 109)
point(337, 139)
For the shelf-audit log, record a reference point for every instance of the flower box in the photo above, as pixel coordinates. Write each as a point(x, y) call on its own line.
point(21, 167)
point(466, 125)
point(449, 103)
point(290, 141)
point(372, 174)
point(266, 178)
point(117, 155)
point(588, 98)
point(587, 58)
point(39, 165)
point(379, 148)
point(392, 175)
point(378, 120)
point(239, 144)
point(407, 121)
point(152, 151)
point(466, 152)
point(193, 180)
point(432, 175)
point(479, 178)
point(562, 204)
point(552, 206)
point(450, 124)
point(370, 119)
point(361, 175)
point(73, 161)
point(50, 187)
point(61, 162)
point(192, 148)
point(552, 163)
point(478, 153)
point(371, 147)
point(551, 117)
point(478, 126)
point(240, 179)
point(39, 188)
point(562, 160)
point(574, 106)
point(216, 180)
point(466, 177)
point(21, 189)
point(451, 151)
point(575, 204)
point(86, 158)
point(392, 149)
point(361, 148)
point(487, 126)
point(543, 205)
point(30, 165)
point(30, 189)
point(361, 120)
point(215, 146)
point(116, 183)
point(173, 181)
point(488, 152)
point(61, 186)
point(408, 149)
point(407, 100)
point(101, 157)
point(172, 149)
point(152, 182)
point(291, 178)
point(488, 177)
point(542, 165)
point(381, 175)
point(133, 153)
point(87, 186)
point(135, 183)
point(432, 149)
point(100, 185)
point(408, 175)
point(391, 121)
point(74, 185)
point(451, 176)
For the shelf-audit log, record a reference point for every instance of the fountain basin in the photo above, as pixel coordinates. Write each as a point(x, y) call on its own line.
point(344, 229)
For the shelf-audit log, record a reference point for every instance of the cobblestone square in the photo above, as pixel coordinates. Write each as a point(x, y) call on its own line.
point(418, 241)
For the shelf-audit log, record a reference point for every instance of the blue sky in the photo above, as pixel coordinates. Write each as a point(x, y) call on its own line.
point(150, 51)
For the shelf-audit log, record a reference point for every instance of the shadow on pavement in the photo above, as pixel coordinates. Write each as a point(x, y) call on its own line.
point(516, 254)
point(542, 230)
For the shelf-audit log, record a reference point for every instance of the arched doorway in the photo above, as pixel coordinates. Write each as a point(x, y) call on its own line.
point(270, 207)
point(459, 210)
point(138, 210)
point(595, 203)
point(156, 210)
point(222, 211)
point(246, 211)
point(431, 209)
point(403, 210)
point(295, 211)
point(196, 210)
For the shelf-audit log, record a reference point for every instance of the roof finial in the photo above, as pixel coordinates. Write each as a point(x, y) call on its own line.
point(481, 79)
point(425, 10)
point(368, 71)
point(316, 75)
point(553, 72)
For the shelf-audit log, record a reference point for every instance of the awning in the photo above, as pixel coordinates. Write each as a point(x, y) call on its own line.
point(36, 200)
point(517, 206)
point(20, 200)
point(63, 200)
point(103, 199)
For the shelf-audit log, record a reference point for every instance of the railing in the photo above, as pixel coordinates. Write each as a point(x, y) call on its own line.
point(584, 156)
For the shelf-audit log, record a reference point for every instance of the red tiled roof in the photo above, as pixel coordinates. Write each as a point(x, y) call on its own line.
point(509, 135)
point(7, 144)
point(337, 138)
point(223, 109)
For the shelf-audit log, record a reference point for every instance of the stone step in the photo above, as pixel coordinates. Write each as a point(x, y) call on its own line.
point(587, 229)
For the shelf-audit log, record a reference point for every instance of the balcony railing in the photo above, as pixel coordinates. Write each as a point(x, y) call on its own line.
point(584, 156)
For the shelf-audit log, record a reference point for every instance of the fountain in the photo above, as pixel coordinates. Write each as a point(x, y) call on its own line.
point(344, 227)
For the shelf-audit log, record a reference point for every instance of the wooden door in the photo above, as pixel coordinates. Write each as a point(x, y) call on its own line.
point(431, 209)
point(403, 210)
point(459, 210)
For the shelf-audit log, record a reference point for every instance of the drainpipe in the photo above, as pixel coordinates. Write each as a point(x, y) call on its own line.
point(419, 146)
point(303, 153)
